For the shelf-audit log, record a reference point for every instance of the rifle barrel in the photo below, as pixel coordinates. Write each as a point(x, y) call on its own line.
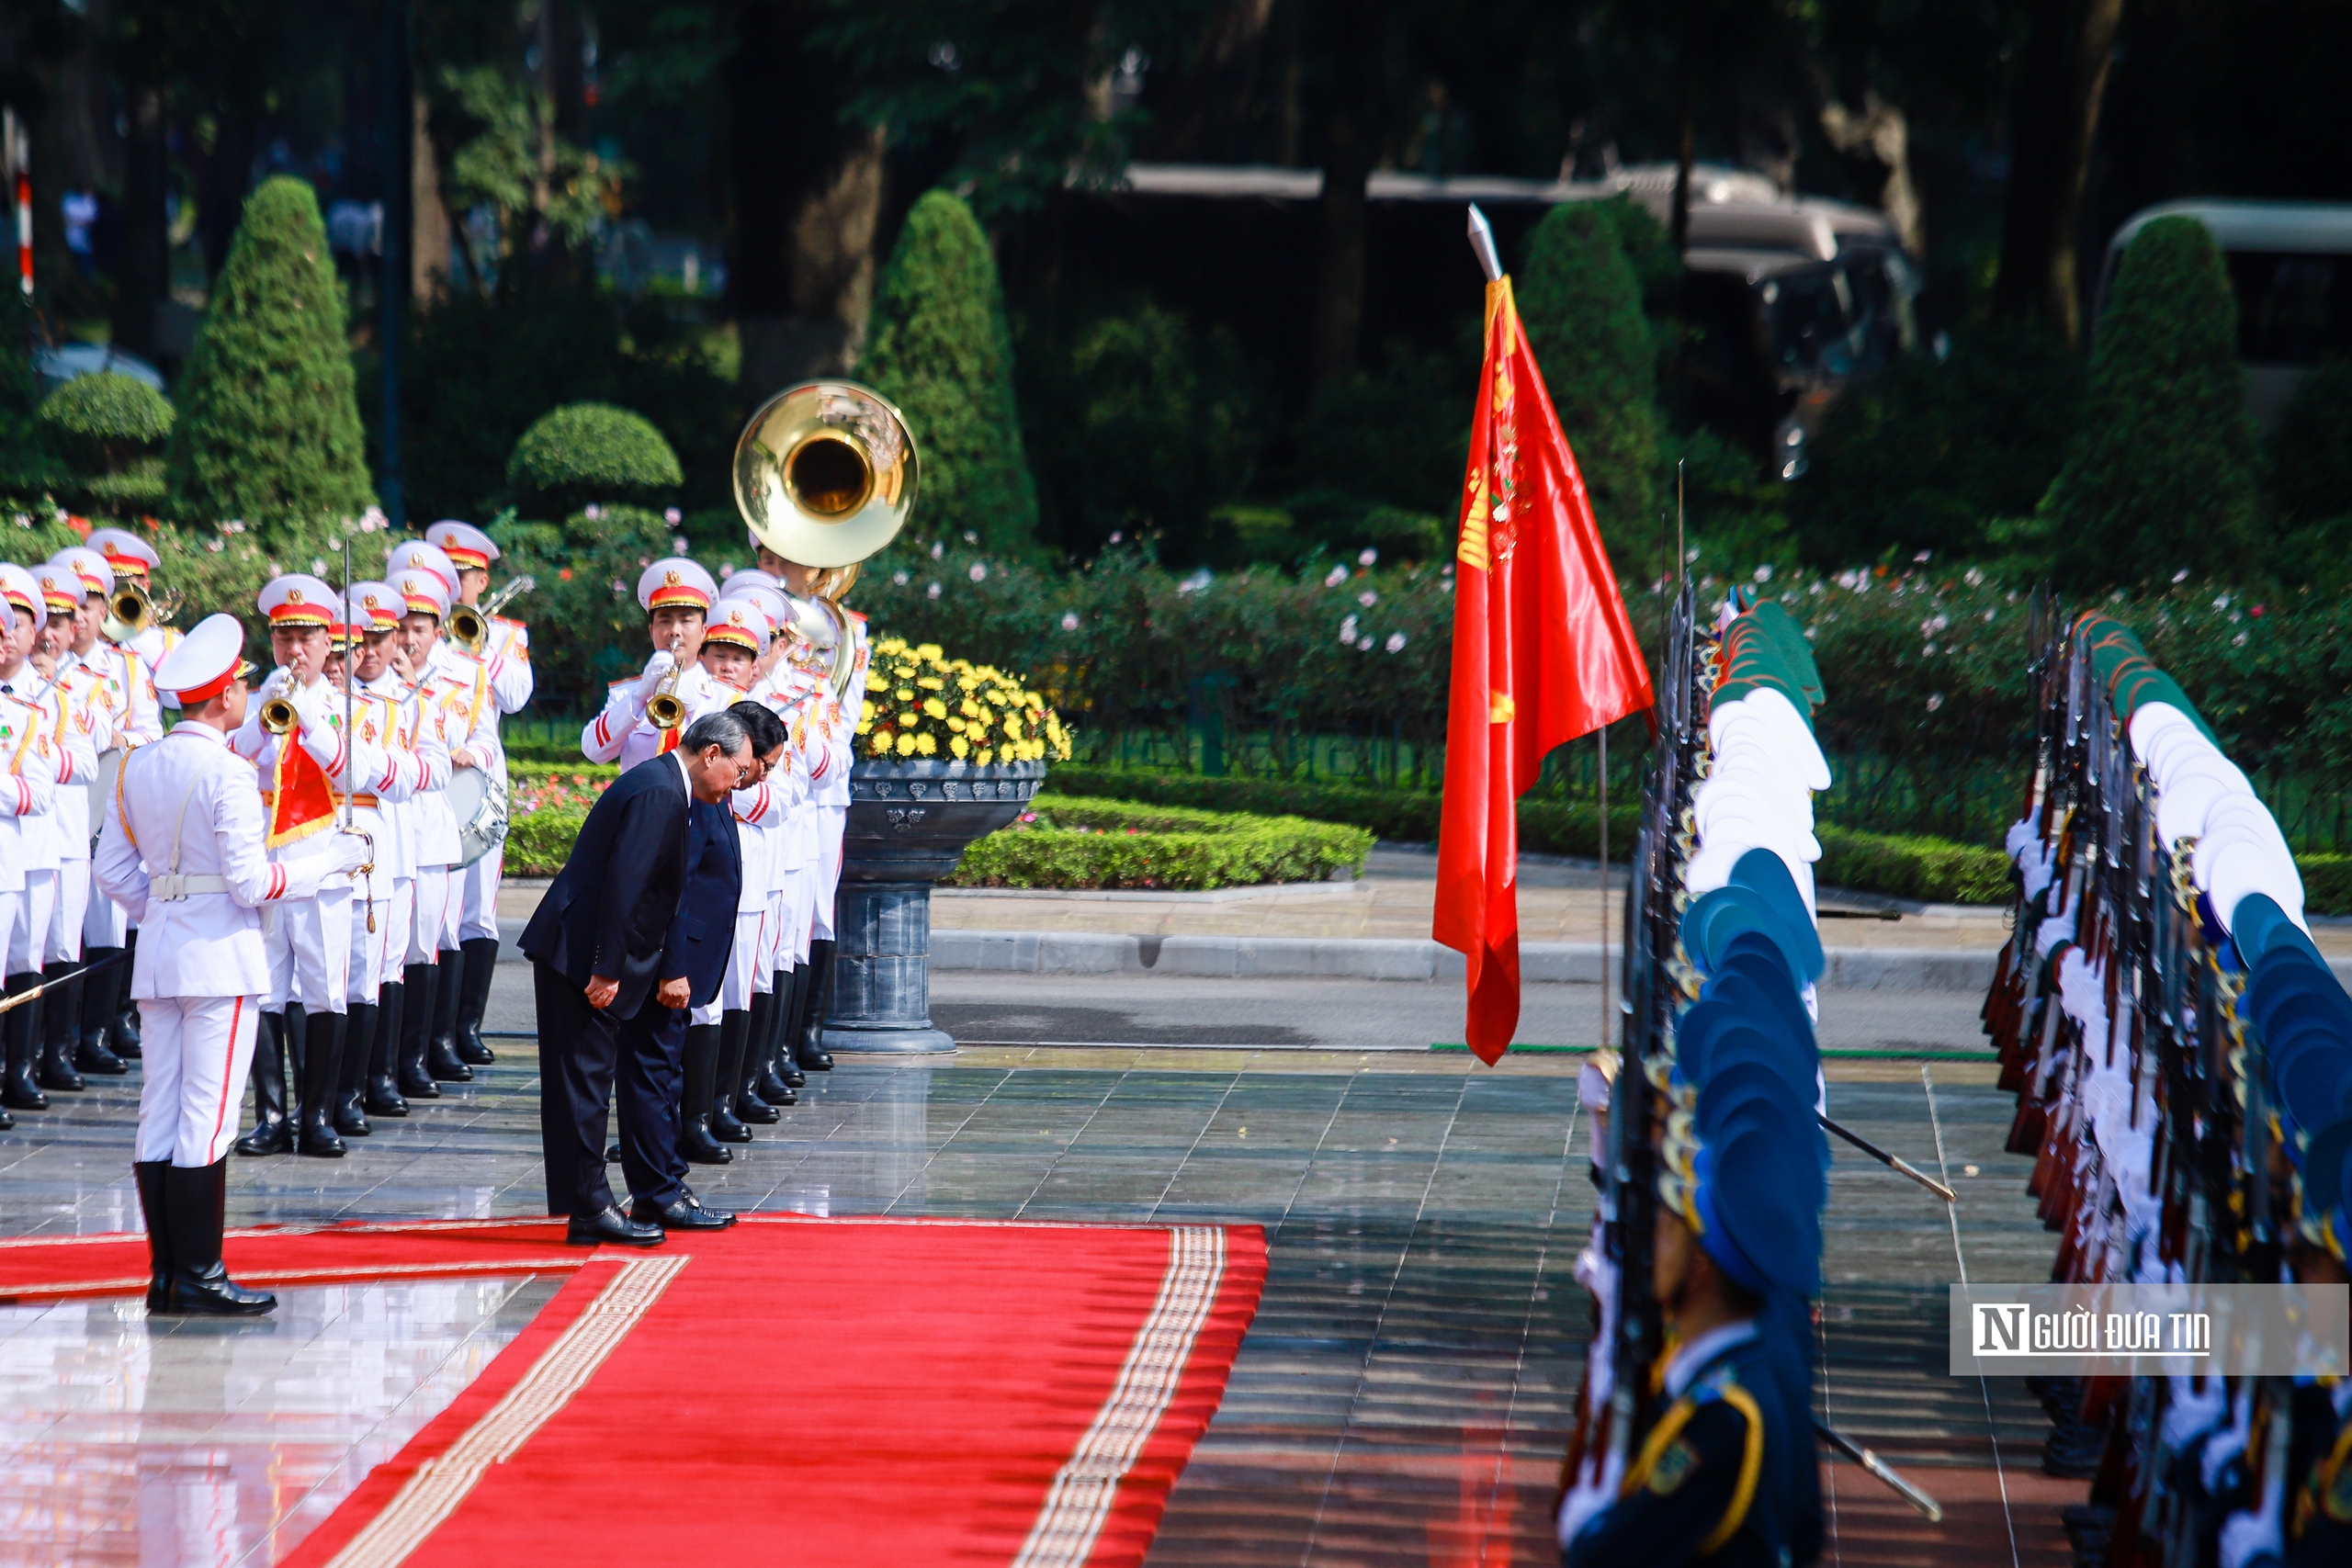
point(1892, 1162)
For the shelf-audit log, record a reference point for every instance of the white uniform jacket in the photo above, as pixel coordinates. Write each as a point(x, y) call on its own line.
point(317, 729)
point(27, 790)
point(621, 733)
point(188, 806)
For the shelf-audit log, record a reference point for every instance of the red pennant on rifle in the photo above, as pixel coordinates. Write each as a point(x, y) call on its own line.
point(1543, 652)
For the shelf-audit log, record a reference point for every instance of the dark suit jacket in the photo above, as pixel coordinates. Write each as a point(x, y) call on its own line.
point(703, 933)
point(610, 910)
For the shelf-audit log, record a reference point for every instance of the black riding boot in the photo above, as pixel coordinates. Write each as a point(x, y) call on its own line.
point(125, 1015)
point(351, 1078)
point(149, 1174)
point(321, 1077)
point(739, 1067)
point(273, 1133)
point(759, 1053)
point(384, 1068)
point(197, 1201)
point(441, 1047)
point(473, 1000)
point(790, 985)
point(21, 1028)
point(808, 1045)
point(91, 1053)
point(694, 1140)
point(725, 1125)
point(57, 1034)
point(416, 1030)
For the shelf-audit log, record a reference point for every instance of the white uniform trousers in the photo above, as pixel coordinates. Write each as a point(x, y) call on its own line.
point(198, 1052)
point(65, 914)
point(435, 923)
point(309, 940)
point(376, 955)
point(831, 822)
point(478, 913)
point(29, 924)
point(401, 932)
point(735, 986)
point(102, 922)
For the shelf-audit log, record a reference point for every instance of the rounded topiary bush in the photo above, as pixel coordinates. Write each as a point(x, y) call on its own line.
point(102, 422)
point(591, 452)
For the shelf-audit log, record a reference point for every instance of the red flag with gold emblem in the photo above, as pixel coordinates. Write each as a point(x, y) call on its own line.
point(1543, 652)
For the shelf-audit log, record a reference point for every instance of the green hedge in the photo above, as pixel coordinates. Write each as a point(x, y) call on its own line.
point(1108, 844)
point(1901, 865)
point(2327, 884)
point(538, 842)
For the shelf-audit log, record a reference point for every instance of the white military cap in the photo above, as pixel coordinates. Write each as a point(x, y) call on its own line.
point(750, 577)
point(467, 548)
point(415, 554)
point(88, 565)
point(298, 599)
point(127, 553)
point(18, 587)
point(421, 592)
point(738, 622)
point(374, 607)
point(201, 667)
point(61, 587)
point(675, 580)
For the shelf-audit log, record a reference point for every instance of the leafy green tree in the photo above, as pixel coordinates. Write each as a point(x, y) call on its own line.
point(1581, 303)
point(2161, 473)
point(585, 454)
point(940, 349)
point(269, 428)
point(1929, 452)
point(107, 427)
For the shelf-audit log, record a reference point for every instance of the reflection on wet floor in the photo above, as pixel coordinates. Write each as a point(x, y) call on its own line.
point(206, 1443)
point(1402, 1397)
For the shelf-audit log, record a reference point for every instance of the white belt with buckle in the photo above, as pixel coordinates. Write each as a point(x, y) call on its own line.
point(171, 888)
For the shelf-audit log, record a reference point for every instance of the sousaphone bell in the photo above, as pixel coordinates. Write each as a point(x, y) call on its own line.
point(825, 476)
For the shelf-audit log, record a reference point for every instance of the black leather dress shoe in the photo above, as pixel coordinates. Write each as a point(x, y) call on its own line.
point(609, 1224)
point(684, 1213)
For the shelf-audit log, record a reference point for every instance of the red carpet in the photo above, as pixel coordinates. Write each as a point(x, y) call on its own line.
point(815, 1391)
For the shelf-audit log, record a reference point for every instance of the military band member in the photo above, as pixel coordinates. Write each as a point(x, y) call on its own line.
point(188, 807)
point(362, 657)
point(134, 718)
point(84, 727)
point(305, 769)
point(393, 1079)
point(428, 1023)
point(771, 1077)
point(132, 561)
point(506, 662)
point(27, 798)
point(675, 595)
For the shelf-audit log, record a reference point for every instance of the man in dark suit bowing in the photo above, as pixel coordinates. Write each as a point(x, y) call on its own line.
point(631, 934)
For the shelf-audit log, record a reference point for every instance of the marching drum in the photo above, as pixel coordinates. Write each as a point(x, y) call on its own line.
point(479, 801)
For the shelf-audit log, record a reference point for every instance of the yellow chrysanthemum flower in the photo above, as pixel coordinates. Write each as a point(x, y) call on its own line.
point(934, 707)
point(874, 682)
point(905, 693)
point(1013, 727)
point(930, 651)
point(930, 683)
point(983, 758)
point(960, 747)
point(906, 745)
point(910, 719)
point(954, 725)
point(881, 744)
point(926, 744)
point(865, 713)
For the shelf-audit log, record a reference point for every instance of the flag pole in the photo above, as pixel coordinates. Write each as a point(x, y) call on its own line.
point(1603, 734)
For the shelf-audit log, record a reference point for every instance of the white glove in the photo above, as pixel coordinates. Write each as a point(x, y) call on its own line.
point(1589, 1495)
point(352, 850)
point(660, 665)
point(315, 704)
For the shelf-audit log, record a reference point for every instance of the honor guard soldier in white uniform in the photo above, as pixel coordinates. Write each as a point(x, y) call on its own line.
point(84, 727)
point(457, 710)
point(21, 676)
point(505, 657)
point(379, 940)
point(294, 734)
point(27, 798)
point(790, 820)
point(135, 718)
point(132, 561)
point(392, 1079)
point(187, 807)
point(675, 594)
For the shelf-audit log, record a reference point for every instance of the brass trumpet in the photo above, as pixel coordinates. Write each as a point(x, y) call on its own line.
point(664, 709)
point(470, 625)
point(276, 714)
point(131, 610)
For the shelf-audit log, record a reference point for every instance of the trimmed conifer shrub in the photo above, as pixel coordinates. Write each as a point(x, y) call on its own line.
point(2161, 473)
point(107, 427)
point(938, 347)
point(1581, 303)
point(269, 428)
point(585, 454)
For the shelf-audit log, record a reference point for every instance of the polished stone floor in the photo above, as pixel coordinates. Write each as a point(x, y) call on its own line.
point(1400, 1399)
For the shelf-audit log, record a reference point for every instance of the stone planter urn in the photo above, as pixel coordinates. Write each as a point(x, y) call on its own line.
point(908, 824)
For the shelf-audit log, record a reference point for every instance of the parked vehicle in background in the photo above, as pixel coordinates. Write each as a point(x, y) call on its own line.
point(1790, 299)
point(2290, 267)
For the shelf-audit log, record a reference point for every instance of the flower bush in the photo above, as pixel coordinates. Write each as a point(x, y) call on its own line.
point(922, 704)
